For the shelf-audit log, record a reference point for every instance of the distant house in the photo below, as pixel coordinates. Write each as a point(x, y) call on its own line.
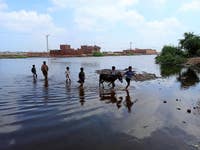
point(37, 54)
point(66, 50)
point(138, 51)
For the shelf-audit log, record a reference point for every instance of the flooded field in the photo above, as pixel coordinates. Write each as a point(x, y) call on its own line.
point(159, 114)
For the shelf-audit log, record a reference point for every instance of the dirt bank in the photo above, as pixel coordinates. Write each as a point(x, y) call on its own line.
point(193, 61)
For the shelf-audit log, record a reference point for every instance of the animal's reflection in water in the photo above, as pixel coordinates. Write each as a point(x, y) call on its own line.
point(109, 96)
point(82, 95)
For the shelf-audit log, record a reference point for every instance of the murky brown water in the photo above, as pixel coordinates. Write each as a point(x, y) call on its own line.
point(53, 115)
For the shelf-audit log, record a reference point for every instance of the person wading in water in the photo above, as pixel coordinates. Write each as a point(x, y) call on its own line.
point(44, 70)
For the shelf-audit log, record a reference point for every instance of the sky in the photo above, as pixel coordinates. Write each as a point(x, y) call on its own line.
point(110, 24)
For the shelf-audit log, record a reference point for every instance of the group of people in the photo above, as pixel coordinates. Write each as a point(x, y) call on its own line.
point(44, 68)
point(128, 74)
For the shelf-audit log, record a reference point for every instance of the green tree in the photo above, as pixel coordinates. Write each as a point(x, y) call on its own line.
point(98, 54)
point(191, 44)
point(170, 55)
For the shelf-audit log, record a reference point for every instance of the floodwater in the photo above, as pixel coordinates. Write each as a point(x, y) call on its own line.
point(53, 115)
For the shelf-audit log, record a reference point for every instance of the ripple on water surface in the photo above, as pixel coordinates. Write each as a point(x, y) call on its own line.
point(54, 115)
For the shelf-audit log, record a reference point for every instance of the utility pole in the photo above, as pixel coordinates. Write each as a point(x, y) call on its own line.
point(130, 45)
point(47, 42)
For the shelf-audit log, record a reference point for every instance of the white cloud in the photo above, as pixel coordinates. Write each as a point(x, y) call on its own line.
point(74, 3)
point(191, 6)
point(166, 25)
point(160, 32)
point(98, 14)
point(3, 5)
point(128, 2)
point(29, 27)
point(28, 21)
point(159, 2)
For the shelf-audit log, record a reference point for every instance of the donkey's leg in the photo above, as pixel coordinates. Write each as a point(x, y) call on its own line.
point(101, 83)
point(109, 83)
point(113, 85)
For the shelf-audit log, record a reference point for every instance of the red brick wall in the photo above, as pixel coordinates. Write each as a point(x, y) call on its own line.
point(67, 50)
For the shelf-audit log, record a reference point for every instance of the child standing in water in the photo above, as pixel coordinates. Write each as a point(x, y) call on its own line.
point(33, 70)
point(81, 77)
point(67, 73)
point(129, 74)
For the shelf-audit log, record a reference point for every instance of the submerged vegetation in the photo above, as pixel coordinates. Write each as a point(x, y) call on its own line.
point(188, 47)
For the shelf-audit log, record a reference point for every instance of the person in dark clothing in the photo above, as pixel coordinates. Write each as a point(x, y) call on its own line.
point(44, 70)
point(113, 71)
point(129, 74)
point(33, 70)
point(81, 77)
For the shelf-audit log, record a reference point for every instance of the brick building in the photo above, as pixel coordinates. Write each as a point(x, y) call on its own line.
point(66, 50)
point(140, 51)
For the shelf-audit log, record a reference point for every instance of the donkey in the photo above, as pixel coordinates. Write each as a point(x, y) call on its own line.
point(110, 79)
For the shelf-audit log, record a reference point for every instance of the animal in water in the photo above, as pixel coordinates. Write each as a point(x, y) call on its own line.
point(110, 79)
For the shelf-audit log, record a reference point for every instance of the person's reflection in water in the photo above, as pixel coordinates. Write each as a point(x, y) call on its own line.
point(45, 91)
point(81, 95)
point(68, 87)
point(113, 97)
point(128, 103)
point(34, 80)
point(46, 84)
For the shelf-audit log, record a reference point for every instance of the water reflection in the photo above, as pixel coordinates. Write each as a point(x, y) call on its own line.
point(45, 91)
point(109, 96)
point(82, 95)
point(128, 103)
point(68, 87)
point(23, 111)
point(46, 83)
point(167, 70)
point(34, 80)
point(188, 78)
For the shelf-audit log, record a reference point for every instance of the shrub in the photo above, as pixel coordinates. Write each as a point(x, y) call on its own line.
point(98, 54)
point(171, 55)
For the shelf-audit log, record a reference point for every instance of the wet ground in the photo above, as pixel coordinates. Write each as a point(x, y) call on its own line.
point(156, 114)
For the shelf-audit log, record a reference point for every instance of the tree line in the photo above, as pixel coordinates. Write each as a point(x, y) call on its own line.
point(188, 47)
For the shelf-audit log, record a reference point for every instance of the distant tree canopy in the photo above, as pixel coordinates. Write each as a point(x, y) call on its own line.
point(189, 46)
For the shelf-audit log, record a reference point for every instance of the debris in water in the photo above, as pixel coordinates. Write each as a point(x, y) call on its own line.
point(145, 126)
point(188, 110)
